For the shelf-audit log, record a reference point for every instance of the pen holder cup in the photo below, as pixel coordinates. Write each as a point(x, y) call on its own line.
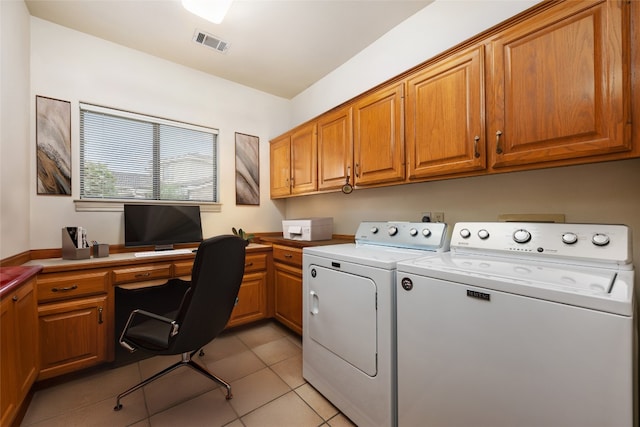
point(100, 250)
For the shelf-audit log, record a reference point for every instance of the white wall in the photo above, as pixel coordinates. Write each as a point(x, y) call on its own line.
point(432, 30)
point(76, 67)
point(15, 173)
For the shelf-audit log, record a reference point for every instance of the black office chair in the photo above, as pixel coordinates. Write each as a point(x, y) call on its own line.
point(196, 320)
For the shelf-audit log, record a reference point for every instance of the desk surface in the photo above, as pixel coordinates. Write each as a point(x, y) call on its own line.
point(118, 259)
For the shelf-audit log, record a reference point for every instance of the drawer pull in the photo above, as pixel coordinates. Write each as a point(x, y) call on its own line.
point(249, 264)
point(65, 289)
point(99, 315)
point(147, 274)
point(15, 298)
point(288, 256)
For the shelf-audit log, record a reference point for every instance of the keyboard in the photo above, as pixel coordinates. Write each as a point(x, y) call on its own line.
point(162, 253)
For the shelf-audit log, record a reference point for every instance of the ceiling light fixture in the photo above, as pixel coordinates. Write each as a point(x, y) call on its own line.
point(211, 10)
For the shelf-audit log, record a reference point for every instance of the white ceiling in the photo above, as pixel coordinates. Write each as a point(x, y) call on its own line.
point(276, 46)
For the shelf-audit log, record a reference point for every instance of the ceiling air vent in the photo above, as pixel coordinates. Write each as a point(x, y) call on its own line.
point(211, 41)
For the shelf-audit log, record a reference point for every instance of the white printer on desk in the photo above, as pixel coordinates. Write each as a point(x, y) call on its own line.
point(308, 229)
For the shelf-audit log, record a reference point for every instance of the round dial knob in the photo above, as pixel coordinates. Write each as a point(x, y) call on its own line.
point(483, 234)
point(521, 236)
point(426, 232)
point(413, 232)
point(600, 239)
point(374, 230)
point(393, 230)
point(569, 238)
point(465, 233)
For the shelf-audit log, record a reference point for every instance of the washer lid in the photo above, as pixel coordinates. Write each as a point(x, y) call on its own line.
point(595, 288)
point(385, 257)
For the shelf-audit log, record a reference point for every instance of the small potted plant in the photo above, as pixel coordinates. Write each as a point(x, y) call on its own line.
point(240, 233)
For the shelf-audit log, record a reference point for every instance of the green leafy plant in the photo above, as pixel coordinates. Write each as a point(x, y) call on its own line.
point(240, 233)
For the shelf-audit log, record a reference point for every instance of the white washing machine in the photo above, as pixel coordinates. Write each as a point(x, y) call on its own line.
point(521, 324)
point(349, 342)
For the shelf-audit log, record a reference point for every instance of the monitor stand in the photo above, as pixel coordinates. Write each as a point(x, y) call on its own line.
point(168, 247)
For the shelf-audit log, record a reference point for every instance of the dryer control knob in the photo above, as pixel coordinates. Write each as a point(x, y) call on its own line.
point(465, 233)
point(483, 234)
point(413, 232)
point(426, 232)
point(600, 239)
point(569, 238)
point(521, 236)
point(393, 230)
point(374, 230)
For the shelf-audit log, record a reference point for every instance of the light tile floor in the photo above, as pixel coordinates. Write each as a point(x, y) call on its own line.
point(262, 363)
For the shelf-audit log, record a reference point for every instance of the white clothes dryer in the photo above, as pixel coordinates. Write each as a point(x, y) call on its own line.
point(521, 324)
point(349, 328)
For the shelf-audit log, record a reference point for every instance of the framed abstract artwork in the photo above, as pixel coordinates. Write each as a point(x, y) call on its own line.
point(247, 169)
point(53, 146)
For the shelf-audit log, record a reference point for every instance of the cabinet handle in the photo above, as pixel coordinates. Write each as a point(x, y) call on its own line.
point(65, 289)
point(357, 170)
point(15, 298)
point(288, 256)
point(248, 265)
point(147, 274)
point(99, 315)
point(476, 153)
point(498, 148)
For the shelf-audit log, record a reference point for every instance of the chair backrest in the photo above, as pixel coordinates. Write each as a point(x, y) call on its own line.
point(215, 280)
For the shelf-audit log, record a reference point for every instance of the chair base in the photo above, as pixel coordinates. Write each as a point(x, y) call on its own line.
point(185, 361)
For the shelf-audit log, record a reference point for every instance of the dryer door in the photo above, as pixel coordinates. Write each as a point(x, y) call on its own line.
point(343, 316)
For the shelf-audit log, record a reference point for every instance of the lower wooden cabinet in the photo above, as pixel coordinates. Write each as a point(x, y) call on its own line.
point(19, 348)
point(288, 286)
point(73, 335)
point(252, 297)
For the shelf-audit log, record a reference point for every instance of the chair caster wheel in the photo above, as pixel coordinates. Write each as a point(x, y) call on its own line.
point(117, 407)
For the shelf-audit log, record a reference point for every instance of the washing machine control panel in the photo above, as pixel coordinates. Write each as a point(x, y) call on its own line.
point(416, 235)
point(589, 242)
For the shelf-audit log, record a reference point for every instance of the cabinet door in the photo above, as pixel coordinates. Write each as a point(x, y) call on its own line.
point(335, 149)
point(252, 303)
point(280, 157)
point(288, 290)
point(26, 315)
point(559, 85)
point(8, 384)
point(304, 160)
point(73, 335)
point(378, 137)
point(445, 117)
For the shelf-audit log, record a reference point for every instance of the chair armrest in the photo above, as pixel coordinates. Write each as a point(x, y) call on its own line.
point(174, 326)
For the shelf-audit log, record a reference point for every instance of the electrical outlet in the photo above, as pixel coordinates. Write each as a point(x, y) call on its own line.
point(425, 217)
point(437, 217)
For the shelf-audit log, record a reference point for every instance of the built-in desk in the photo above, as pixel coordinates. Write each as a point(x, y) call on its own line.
point(78, 296)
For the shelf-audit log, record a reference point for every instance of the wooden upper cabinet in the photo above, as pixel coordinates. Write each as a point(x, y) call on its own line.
point(280, 157)
point(445, 123)
point(378, 136)
point(304, 159)
point(559, 86)
point(335, 149)
point(294, 162)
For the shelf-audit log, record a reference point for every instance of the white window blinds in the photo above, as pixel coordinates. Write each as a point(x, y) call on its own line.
point(125, 155)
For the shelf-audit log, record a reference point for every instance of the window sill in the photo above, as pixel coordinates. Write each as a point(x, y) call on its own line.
point(99, 205)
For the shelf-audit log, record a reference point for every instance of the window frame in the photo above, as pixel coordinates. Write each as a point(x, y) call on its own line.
point(117, 204)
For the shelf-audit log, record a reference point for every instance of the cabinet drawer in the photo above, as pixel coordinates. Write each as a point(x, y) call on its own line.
point(64, 285)
point(182, 269)
point(257, 262)
point(136, 274)
point(287, 255)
